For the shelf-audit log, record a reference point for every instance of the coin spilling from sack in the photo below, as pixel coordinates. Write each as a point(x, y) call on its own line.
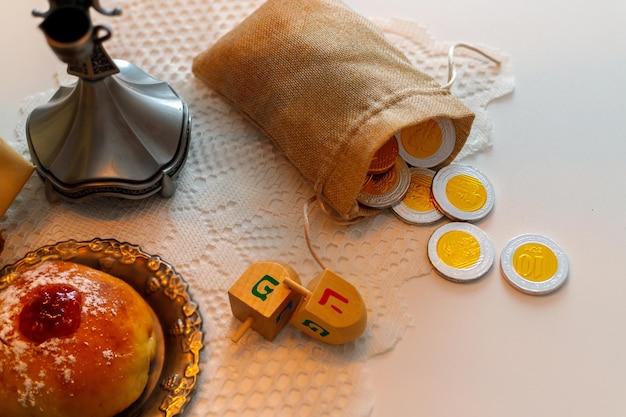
point(418, 206)
point(463, 193)
point(427, 144)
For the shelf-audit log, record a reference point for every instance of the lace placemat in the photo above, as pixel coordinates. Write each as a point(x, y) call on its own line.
point(240, 201)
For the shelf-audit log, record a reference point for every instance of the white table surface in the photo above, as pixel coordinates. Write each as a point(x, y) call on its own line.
point(558, 166)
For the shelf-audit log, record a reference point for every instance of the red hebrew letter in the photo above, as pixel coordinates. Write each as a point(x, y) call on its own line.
point(330, 293)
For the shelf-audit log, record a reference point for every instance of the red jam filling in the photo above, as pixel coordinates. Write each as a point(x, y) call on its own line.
point(52, 311)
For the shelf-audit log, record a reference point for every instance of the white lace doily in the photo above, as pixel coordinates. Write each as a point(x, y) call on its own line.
point(239, 201)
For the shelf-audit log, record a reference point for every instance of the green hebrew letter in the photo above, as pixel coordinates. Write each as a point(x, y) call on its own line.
point(315, 327)
point(268, 290)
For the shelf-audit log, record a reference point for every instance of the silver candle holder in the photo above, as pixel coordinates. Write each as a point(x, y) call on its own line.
point(117, 131)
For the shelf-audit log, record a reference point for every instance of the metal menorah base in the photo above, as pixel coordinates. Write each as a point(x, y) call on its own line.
point(125, 135)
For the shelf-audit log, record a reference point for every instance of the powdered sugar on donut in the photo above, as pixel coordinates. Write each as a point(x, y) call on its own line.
point(18, 353)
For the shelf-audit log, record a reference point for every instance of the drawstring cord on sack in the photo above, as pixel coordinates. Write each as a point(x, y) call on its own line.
point(451, 67)
point(307, 232)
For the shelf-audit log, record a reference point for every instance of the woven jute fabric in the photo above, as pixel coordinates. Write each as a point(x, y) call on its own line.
point(328, 88)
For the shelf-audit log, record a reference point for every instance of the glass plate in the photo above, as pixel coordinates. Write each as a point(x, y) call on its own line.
point(175, 370)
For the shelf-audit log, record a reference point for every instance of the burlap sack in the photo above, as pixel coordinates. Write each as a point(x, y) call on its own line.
point(328, 88)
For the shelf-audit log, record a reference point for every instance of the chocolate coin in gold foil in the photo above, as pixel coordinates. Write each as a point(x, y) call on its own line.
point(427, 144)
point(383, 190)
point(385, 158)
point(534, 264)
point(463, 193)
point(461, 252)
point(417, 206)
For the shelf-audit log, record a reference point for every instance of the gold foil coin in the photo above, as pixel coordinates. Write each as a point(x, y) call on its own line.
point(534, 264)
point(461, 252)
point(463, 193)
point(385, 158)
point(417, 206)
point(427, 144)
point(383, 190)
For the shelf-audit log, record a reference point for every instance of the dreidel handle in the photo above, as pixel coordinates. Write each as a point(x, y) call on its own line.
point(303, 291)
point(243, 328)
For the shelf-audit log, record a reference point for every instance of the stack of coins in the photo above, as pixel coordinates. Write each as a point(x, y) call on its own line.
point(400, 177)
point(391, 184)
point(388, 178)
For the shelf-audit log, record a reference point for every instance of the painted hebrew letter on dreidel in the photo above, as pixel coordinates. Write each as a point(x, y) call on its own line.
point(333, 311)
point(316, 328)
point(328, 292)
point(267, 290)
point(259, 300)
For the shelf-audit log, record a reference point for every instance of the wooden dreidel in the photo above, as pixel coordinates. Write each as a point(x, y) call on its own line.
point(333, 310)
point(259, 300)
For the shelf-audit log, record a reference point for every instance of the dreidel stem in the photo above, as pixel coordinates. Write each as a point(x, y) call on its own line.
point(242, 329)
point(303, 291)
